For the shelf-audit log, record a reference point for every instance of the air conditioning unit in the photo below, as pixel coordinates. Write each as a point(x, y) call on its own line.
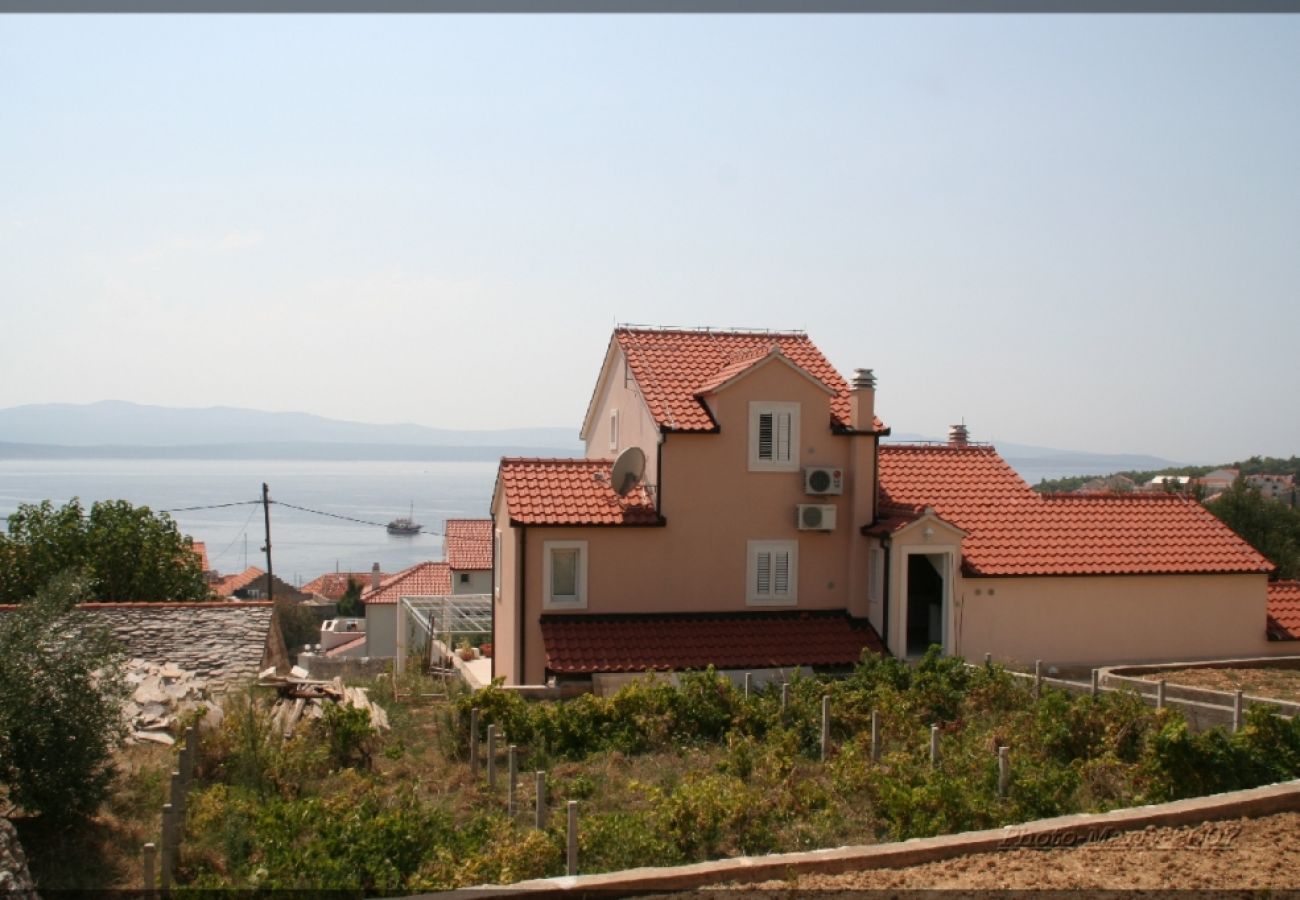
point(823, 480)
point(815, 517)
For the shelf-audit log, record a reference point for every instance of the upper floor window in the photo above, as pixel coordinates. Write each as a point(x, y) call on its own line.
point(564, 574)
point(613, 429)
point(772, 573)
point(773, 436)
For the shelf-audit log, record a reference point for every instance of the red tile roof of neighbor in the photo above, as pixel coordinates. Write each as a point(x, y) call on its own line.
point(570, 492)
point(672, 367)
point(1284, 610)
point(231, 583)
point(1013, 530)
point(426, 579)
point(335, 584)
point(595, 643)
point(469, 543)
point(201, 551)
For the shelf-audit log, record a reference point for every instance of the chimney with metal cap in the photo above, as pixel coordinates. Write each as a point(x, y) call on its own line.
point(375, 577)
point(862, 400)
point(957, 436)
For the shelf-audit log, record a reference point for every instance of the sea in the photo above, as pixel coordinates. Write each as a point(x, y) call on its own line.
point(351, 502)
point(326, 516)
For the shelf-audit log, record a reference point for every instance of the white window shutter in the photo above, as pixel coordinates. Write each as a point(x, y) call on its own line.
point(781, 578)
point(782, 449)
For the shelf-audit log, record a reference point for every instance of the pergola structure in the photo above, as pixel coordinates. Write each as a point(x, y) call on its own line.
point(439, 617)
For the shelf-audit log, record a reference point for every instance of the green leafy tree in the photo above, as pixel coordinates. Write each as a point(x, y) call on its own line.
point(1270, 527)
point(122, 552)
point(350, 603)
point(60, 695)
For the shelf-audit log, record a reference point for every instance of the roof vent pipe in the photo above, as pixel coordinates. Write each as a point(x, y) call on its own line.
point(957, 435)
point(864, 378)
point(375, 577)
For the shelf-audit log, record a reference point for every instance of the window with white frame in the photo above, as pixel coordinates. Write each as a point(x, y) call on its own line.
point(876, 576)
point(773, 436)
point(496, 563)
point(613, 429)
point(772, 573)
point(564, 574)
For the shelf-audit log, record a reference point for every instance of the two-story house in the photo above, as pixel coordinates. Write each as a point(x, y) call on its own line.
point(469, 555)
point(769, 528)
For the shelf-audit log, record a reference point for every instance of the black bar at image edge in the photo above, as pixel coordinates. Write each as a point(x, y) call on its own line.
point(652, 6)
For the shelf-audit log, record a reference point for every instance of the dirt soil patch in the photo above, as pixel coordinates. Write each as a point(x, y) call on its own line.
point(1237, 854)
point(1279, 684)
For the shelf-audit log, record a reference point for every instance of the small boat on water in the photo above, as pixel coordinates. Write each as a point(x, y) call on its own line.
point(405, 524)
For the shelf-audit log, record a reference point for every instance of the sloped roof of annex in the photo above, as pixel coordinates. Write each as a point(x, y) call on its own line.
point(1013, 530)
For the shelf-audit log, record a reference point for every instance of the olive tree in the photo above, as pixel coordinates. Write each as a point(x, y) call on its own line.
point(61, 691)
point(121, 551)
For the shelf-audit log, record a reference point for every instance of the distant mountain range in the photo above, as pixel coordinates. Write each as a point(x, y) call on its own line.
point(117, 429)
point(114, 429)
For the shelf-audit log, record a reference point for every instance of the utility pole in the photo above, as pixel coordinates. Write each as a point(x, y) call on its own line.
point(266, 512)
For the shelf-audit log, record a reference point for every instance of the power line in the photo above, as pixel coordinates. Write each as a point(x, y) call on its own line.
point(346, 518)
point(241, 533)
point(211, 506)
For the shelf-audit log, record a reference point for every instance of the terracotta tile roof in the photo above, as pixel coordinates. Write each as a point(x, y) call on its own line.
point(1284, 610)
point(469, 543)
point(577, 644)
point(672, 367)
point(570, 492)
point(335, 584)
point(231, 583)
point(426, 579)
point(1012, 530)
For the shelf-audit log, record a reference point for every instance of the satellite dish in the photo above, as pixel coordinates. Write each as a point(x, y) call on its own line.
point(628, 469)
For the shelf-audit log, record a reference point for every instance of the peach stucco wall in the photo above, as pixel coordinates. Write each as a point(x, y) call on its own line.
point(1092, 620)
point(713, 506)
point(636, 428)
point(1112, 619)
point(505, 644)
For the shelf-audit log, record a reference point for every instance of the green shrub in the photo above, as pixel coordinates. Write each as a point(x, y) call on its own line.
point(349, 735)
point(60, 696)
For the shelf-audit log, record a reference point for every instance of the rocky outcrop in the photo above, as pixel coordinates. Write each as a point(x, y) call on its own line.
point(15, 881)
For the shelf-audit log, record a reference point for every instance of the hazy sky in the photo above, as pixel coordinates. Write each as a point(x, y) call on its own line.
point(1072, 231)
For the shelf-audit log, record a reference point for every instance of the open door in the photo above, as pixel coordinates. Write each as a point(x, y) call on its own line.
point(926, 607)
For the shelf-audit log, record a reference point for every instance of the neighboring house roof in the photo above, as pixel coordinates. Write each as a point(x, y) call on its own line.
point(426, 579)
point(335, 584)
point(638, 643)
point(201, 551)
point(570, 492)
point(672, 367)
point(1284, 610)
point(469, 543)
point(231, 583)
point(1012, 530)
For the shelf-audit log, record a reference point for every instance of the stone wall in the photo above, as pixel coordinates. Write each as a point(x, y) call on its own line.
point(223, 643)
point(15, 880)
